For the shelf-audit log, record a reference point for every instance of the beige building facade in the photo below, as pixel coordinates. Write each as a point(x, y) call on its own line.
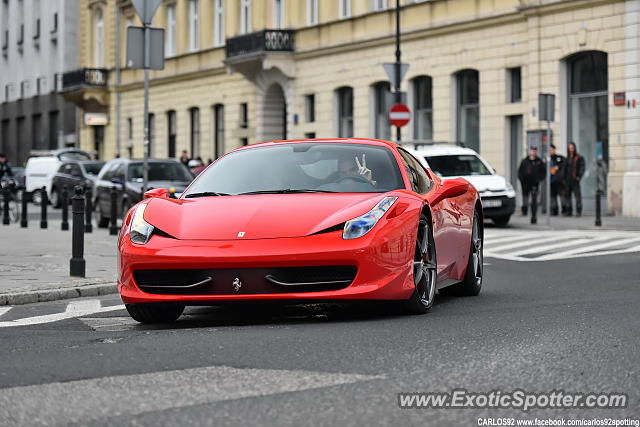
point(243, 71)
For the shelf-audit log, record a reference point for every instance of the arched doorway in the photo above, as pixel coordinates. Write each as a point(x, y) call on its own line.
point(588, 113)
point(274, 113)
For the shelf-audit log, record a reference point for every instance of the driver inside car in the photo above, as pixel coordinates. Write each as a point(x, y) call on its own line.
point(355, 167)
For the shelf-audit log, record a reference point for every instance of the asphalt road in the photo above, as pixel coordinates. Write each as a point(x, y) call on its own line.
point(569, 324)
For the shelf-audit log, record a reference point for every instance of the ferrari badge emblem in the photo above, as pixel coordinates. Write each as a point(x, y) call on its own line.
point(241, 234)
point(237, 284)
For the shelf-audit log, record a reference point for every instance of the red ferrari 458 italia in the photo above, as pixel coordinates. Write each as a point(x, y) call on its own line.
point(303, 221)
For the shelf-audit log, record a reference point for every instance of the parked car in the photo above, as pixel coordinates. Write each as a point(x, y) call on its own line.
point(452, 161)
point(126, 175)
point(43, 166)
point(72, 173)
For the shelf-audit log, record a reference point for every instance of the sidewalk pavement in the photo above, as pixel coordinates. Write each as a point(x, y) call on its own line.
point(585, 222)
point(35, 264)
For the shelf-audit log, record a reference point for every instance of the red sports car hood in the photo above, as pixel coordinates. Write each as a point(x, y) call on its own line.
point(257, 216)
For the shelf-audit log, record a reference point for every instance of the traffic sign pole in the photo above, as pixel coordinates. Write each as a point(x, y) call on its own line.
point(398, 63)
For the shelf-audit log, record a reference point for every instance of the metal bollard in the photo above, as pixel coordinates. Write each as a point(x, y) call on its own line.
point(172, 192)
point(88, 211)
point(77, 263)
point(113, 226)
point(5, 206)
point(598, 210)
point(44, 201)
point(64, 200)
point(24, 221)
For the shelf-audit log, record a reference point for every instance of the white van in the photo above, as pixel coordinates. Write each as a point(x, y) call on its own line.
point(40, 169)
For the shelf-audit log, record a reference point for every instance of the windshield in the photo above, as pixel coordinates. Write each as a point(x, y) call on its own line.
point(160, 171)
point(313, 167)
point(93, 168)
point(73, 155)
point(457, 165)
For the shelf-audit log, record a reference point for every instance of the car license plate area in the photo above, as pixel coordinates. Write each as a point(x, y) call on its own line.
point(492, 203)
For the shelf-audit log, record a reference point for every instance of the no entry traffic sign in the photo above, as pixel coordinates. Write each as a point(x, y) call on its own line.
point(399, 115)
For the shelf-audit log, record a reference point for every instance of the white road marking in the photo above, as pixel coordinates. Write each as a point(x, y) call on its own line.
point(532, 245)
point(525, 242)
point(546, 248)
point(592, 248)
point(62, 403)
point(83, 306)
point(69, 314)
point(3, 310)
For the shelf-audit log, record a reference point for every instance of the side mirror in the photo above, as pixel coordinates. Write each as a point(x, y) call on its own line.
point(450, 188)
point(116, 181)
point(157, 192)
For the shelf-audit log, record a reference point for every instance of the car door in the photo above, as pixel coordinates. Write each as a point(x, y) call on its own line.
point(445, 220)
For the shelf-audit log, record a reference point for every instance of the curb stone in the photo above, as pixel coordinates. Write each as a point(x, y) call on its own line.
point(44, 295)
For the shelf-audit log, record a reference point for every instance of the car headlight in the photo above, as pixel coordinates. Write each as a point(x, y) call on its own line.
point(141, 230)
point(359, 226)
point(510, 190)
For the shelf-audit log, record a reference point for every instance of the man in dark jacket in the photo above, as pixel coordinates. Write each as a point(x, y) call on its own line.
point(5, 169)
point(556, 171)
point(574, 171)
point(530, 173)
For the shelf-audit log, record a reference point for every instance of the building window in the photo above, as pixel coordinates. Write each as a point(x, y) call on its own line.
point(194, 115)
point(467, 108)
point(36, 131)
point(379, 5)
point(310, 135)
point(514, 84)
point(381, 125)
point(588, 112)
point(170, 43)
point(53, 129)
point(218, 130)
point(20, 39)
point(423, 108)
point(310, 108)
point(194, 25)
point(244, 115)
point(24, 89)
point(345, 111)
point(7, 92)
point(244, 142)
point(345, 8)
point(99, 39)
point(312, 12)
point(278, 14)
point(54, 26)
point(152, 132)
point(245, 16)
point(218, 23)
point(5, 26)
point(171, 134)
point(129, 129)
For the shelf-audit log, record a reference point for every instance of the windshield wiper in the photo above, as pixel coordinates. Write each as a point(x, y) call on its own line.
point(286, 191)
point(205, 194)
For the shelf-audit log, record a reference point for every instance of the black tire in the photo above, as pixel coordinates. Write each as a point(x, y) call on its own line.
point(472, 282)
point(55, 198)
point(155, 312)
point(425, 272)
point(101, 221)
point(501, 221)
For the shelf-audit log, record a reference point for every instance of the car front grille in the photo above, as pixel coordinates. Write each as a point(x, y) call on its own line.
point(245, 281)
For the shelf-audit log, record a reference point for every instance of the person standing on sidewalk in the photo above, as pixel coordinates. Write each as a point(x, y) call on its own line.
point(530, 173)
point(556, 170)
point(574, 172)
point(5, 169)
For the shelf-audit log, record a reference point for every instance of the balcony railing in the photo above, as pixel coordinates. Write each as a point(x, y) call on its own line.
point(85, 77)
point(260, 41)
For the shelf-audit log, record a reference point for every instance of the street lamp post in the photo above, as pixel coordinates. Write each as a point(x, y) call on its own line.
point(398, 95)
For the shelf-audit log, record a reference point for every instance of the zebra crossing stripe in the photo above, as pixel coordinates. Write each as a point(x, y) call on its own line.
point(547, 248)
point(592, 248)
point(3, 310)
point(526, 242)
